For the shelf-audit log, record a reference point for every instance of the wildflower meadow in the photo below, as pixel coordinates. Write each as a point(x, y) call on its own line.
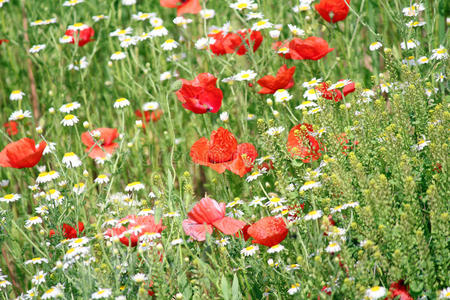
point(224, 149)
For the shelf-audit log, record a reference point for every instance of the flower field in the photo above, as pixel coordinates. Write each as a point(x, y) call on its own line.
point(224, 149)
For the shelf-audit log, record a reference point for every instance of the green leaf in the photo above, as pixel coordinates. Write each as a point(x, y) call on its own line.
point(225, 288)
point(235, 288)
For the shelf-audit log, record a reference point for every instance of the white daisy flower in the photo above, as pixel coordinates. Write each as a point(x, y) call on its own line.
point(310, 185)
point(78, 65)
point(118, 55)
point(257, 201)
point(79, 188)
point(66, 39)
point(159, 31)
point(314, 215)
point(311, 94)
point(410, 44)
point(422, 60)
point(153, 105)
point(254, 15)
point(262, 24)
point(202, 43)
point(439, 53)
point(140, 277)
point(275, 130)
point(245, 75)
point(69, 120)
point(421, 144)
point(413, 10)
point(127, 41)
point(243, 4)
point(275, 249)
point(19, 115)
point(99, 17)
point(36, 260)
point(340, 84)
point(312, 83)
point(72, 2)
point(176, 242)
point(282, 96)
point(69, 107)
point(33, 221)
point(9, 198)
point(250, 250)
point(333, 247)
point(375, 46)
point(102, 293)
point(445, 293)
point(376, 292)
point(306, 104)
point(134, 186)
point(121, 32)
point(294, 289)
point(207, 13)
point(128, 2)
point(38, 278)
point(71, 160)
point(411, 24)
point(295, 30)
point(275, 34)
point(140, 16)
point(275, 202)
point(16, 95)
point(121, 103)
point(37, 48)
point(182, 21)
point(101, 179)
point(169, 44)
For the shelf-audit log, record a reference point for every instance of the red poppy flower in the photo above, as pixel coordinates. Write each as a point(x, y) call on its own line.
point(303, 144)
point(11, 128)
point(22, 154)
point(400, 290)
point(333, 10)
point(206, 215)
point(137, 226)
point(335, 95)
point(106, 141)
point(283, 80)
point(82, 36)
point(268, 231)
point(69, 232)
point(313, 48)
point(154, 116)
point(222, 152)
point(235, 42)
point(4, 41)
point(201, 94)
point(183, 6)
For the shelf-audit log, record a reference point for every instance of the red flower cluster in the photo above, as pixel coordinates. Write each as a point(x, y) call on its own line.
point(333, 10)
point(11, 128)
point(69, 232)
point(312, 48)
point(81, 36)
point(201, 94)
point(3, 41)
point(283, 80)
point(303, 144)
point(335, 95)
point(400, 290)
point(106, 141)
point(22, 154)
point(207, 215)
point(138, 226)
point(239, 43)
point(182, 6)
point(222, 152)
point(268, 231)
